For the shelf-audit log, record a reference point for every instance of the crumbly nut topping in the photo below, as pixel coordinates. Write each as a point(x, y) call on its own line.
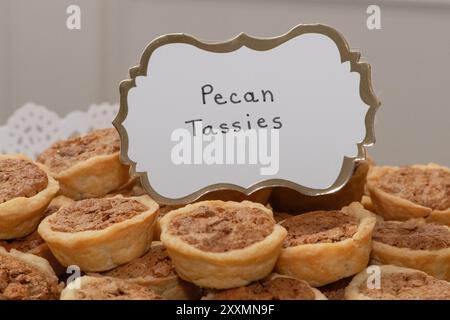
point(319, 227)
point(281, 288)
point(413, 234)
point(216, 229)
point(21, 281)
point(155, 263)
point(427, 187)
point(66, 153)
point(95, 214)
point(20, 178)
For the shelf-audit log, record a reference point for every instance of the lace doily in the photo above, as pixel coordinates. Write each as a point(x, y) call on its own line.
point(32, 128)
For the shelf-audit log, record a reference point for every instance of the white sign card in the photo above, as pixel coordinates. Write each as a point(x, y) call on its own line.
point(294, 111)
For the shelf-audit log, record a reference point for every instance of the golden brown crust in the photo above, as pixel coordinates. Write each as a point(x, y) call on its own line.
point(224, 269)
point(106, 288)
point(396, 283)
point(93, 178)
point(393, 207)
point(101, 250)
point(367, 203)
point(433, 262)
point(34, 244)
point(291, 201)
point(319, 227)
point(163, 210)
point(222, 229)
point(20, 178)
point(274, 287)
point(20, 216)
point(323, 263)
point(89, 178)
point(34, 240)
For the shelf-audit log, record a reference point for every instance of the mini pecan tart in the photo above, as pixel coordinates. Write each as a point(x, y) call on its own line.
point(100, 234)
point(24, 276)
point(396, 283)
point(322, 247)
point(413, 244)
point(155, 270)
point(418, 191)
point(222, 245)
point(274, 287)
point(87, 166)
point(366, 201)
point(291, 201)
point(105, 288)
point(34, 244)
point(26, 189)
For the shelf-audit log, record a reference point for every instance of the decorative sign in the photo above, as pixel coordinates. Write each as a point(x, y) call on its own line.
point(294, 111)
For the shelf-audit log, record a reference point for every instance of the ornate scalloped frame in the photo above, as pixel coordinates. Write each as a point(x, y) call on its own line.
point(259, 44)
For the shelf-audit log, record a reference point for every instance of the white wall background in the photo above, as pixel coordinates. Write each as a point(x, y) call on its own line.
point(44, 62)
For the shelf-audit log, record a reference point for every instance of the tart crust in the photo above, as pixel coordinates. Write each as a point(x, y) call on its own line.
point(353, 291)
point(105, 288)
point(433, 262)
point(39, 264)
point(222, 270)
point(367, 203)
point(236, 294)
point(167, 283)
point(101, 250)
point(323, 263)
point(291, 201)
point(21, 215)
point(92, 178)
point(34, 244)
point(392, 207)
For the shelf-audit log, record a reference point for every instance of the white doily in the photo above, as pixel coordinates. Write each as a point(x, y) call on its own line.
point(32, 128)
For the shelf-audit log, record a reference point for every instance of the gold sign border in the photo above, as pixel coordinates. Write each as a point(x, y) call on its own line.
point(259, 44)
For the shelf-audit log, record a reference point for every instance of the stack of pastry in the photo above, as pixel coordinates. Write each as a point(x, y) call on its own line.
point(73, 225)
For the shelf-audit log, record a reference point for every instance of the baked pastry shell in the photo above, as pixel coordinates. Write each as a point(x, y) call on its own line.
point(352, 292)
point(20, 216)
point(291, 201)
point(222, 270)
point(366, 201)
point(392, 207)
point(434, 262)
point(323, 263)
point(94, 177)
point(101, 250)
